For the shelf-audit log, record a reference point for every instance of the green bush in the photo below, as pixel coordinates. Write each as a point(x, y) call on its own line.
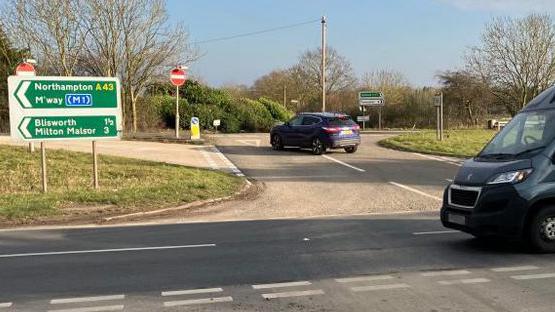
point(277, 110)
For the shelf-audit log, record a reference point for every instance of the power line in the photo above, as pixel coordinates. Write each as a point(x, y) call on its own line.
point(256, 32)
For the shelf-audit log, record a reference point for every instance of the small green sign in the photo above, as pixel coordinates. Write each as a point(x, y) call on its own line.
point(370, 95)
point(38, 93)
point(68, 127)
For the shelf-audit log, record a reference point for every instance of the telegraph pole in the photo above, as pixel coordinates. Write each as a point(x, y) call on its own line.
point(323, 63)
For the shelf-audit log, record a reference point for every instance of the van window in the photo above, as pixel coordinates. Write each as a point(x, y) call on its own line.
point(527, 132)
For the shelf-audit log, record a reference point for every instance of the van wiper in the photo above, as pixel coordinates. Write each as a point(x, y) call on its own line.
point(530, 150)
point(496, 156)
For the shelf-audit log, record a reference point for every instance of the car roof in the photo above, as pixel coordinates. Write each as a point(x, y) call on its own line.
point(325, 114)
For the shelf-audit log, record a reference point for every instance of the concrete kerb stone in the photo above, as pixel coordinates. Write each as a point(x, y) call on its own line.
point(246, 186)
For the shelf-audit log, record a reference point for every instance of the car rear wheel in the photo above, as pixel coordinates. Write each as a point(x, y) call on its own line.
point(542, 230)
point(351, 149)
point(318, 147)
point(277, 143)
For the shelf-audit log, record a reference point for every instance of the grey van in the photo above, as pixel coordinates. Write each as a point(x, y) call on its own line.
point(508, 189)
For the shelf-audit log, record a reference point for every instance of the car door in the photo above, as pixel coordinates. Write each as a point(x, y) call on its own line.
point(290, 133)
point(308, 130)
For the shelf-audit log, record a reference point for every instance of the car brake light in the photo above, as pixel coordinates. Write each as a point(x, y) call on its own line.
point(331, 130)
point(356, 127)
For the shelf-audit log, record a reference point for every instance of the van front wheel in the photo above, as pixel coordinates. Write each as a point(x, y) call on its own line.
point(542, 230)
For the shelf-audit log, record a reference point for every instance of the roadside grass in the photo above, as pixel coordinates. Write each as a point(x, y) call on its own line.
point(457, 143)
point(126, 185)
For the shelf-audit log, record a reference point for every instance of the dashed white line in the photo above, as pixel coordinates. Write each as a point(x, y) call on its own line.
point(190, 292)
point(197, 301)
point(363, 278)
point(379, 287)
point(343, 163)
point(465, 281)
point(408, 188)
point(435, 232)
point(281, 285)
point(293, 294)
point(92, 309)
point(515, 268)
point(533, 276)
point(73, 252)
point(5, 304)
point(445, 273)
point(87, 299)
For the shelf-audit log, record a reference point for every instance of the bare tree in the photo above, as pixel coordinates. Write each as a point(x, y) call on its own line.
point(393, 84)
point(516, 58)
point(149, 46)
point(307, 73)
point(51, 29)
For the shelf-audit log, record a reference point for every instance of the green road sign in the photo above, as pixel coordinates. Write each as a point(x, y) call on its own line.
point(46, 108)
point(367, 94)
point(68, 127)
point(68, 93)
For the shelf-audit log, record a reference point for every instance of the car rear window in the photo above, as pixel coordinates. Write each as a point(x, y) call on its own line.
point(340, 121)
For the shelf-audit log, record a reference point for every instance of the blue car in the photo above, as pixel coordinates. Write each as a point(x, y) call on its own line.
point(318, 131)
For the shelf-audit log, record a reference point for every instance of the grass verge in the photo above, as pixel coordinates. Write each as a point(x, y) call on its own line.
point(126, 185)
point(457, 143)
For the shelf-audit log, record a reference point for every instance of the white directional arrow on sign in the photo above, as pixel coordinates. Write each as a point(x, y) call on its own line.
point(21, 94)
point(23, 128)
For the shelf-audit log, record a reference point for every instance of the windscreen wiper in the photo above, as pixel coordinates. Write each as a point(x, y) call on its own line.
point(497, 155)
point(529, 150)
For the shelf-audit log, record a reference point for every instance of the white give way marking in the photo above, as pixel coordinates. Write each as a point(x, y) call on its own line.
point(250, 142)
point(343, 163)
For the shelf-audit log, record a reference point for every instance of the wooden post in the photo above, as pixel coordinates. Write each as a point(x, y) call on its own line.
point(43, 167)
point(95, 165)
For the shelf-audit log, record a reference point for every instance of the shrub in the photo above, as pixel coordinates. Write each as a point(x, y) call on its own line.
point(277, 110)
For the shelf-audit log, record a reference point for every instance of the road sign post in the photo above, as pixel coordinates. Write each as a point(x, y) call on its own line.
point(372, 99)
point(195, 128)
point(64, 108)
point(216, 124)
point(177, 78)
point(438, 103)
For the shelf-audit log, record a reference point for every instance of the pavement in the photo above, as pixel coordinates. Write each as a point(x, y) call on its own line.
point(339, 232)
point(202, 156)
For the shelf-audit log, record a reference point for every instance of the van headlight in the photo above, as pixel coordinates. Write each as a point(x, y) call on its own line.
point(511, 177)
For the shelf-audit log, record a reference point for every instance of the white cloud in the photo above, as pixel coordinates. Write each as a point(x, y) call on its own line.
point(543, 6)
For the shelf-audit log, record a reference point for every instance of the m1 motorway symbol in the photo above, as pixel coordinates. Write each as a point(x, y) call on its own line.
point(45, 93)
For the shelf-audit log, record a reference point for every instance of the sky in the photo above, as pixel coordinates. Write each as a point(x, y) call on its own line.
point(419, 38)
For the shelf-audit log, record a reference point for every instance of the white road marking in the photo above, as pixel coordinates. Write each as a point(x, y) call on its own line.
point(87, 299)
point(533, 276)
point(465, 281)
point(451, 161)
point(516, 268)
point(73, 252)
point(408, 188)
point(191, 291)
point(92, 309)
point(293, 294)
point(343, 163)
point(449, 180)
point(209, 159)
point(299, 177)
point(379, 287)
point(228, 162)
point(250, 142)
point(363, 278)
point(5, 304)
point(435, 232)
point(445, 273)
point(281, 285)
point(197, 301)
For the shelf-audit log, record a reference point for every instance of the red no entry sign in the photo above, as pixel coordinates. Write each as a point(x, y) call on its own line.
point(25, 69)
point(178, 76)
